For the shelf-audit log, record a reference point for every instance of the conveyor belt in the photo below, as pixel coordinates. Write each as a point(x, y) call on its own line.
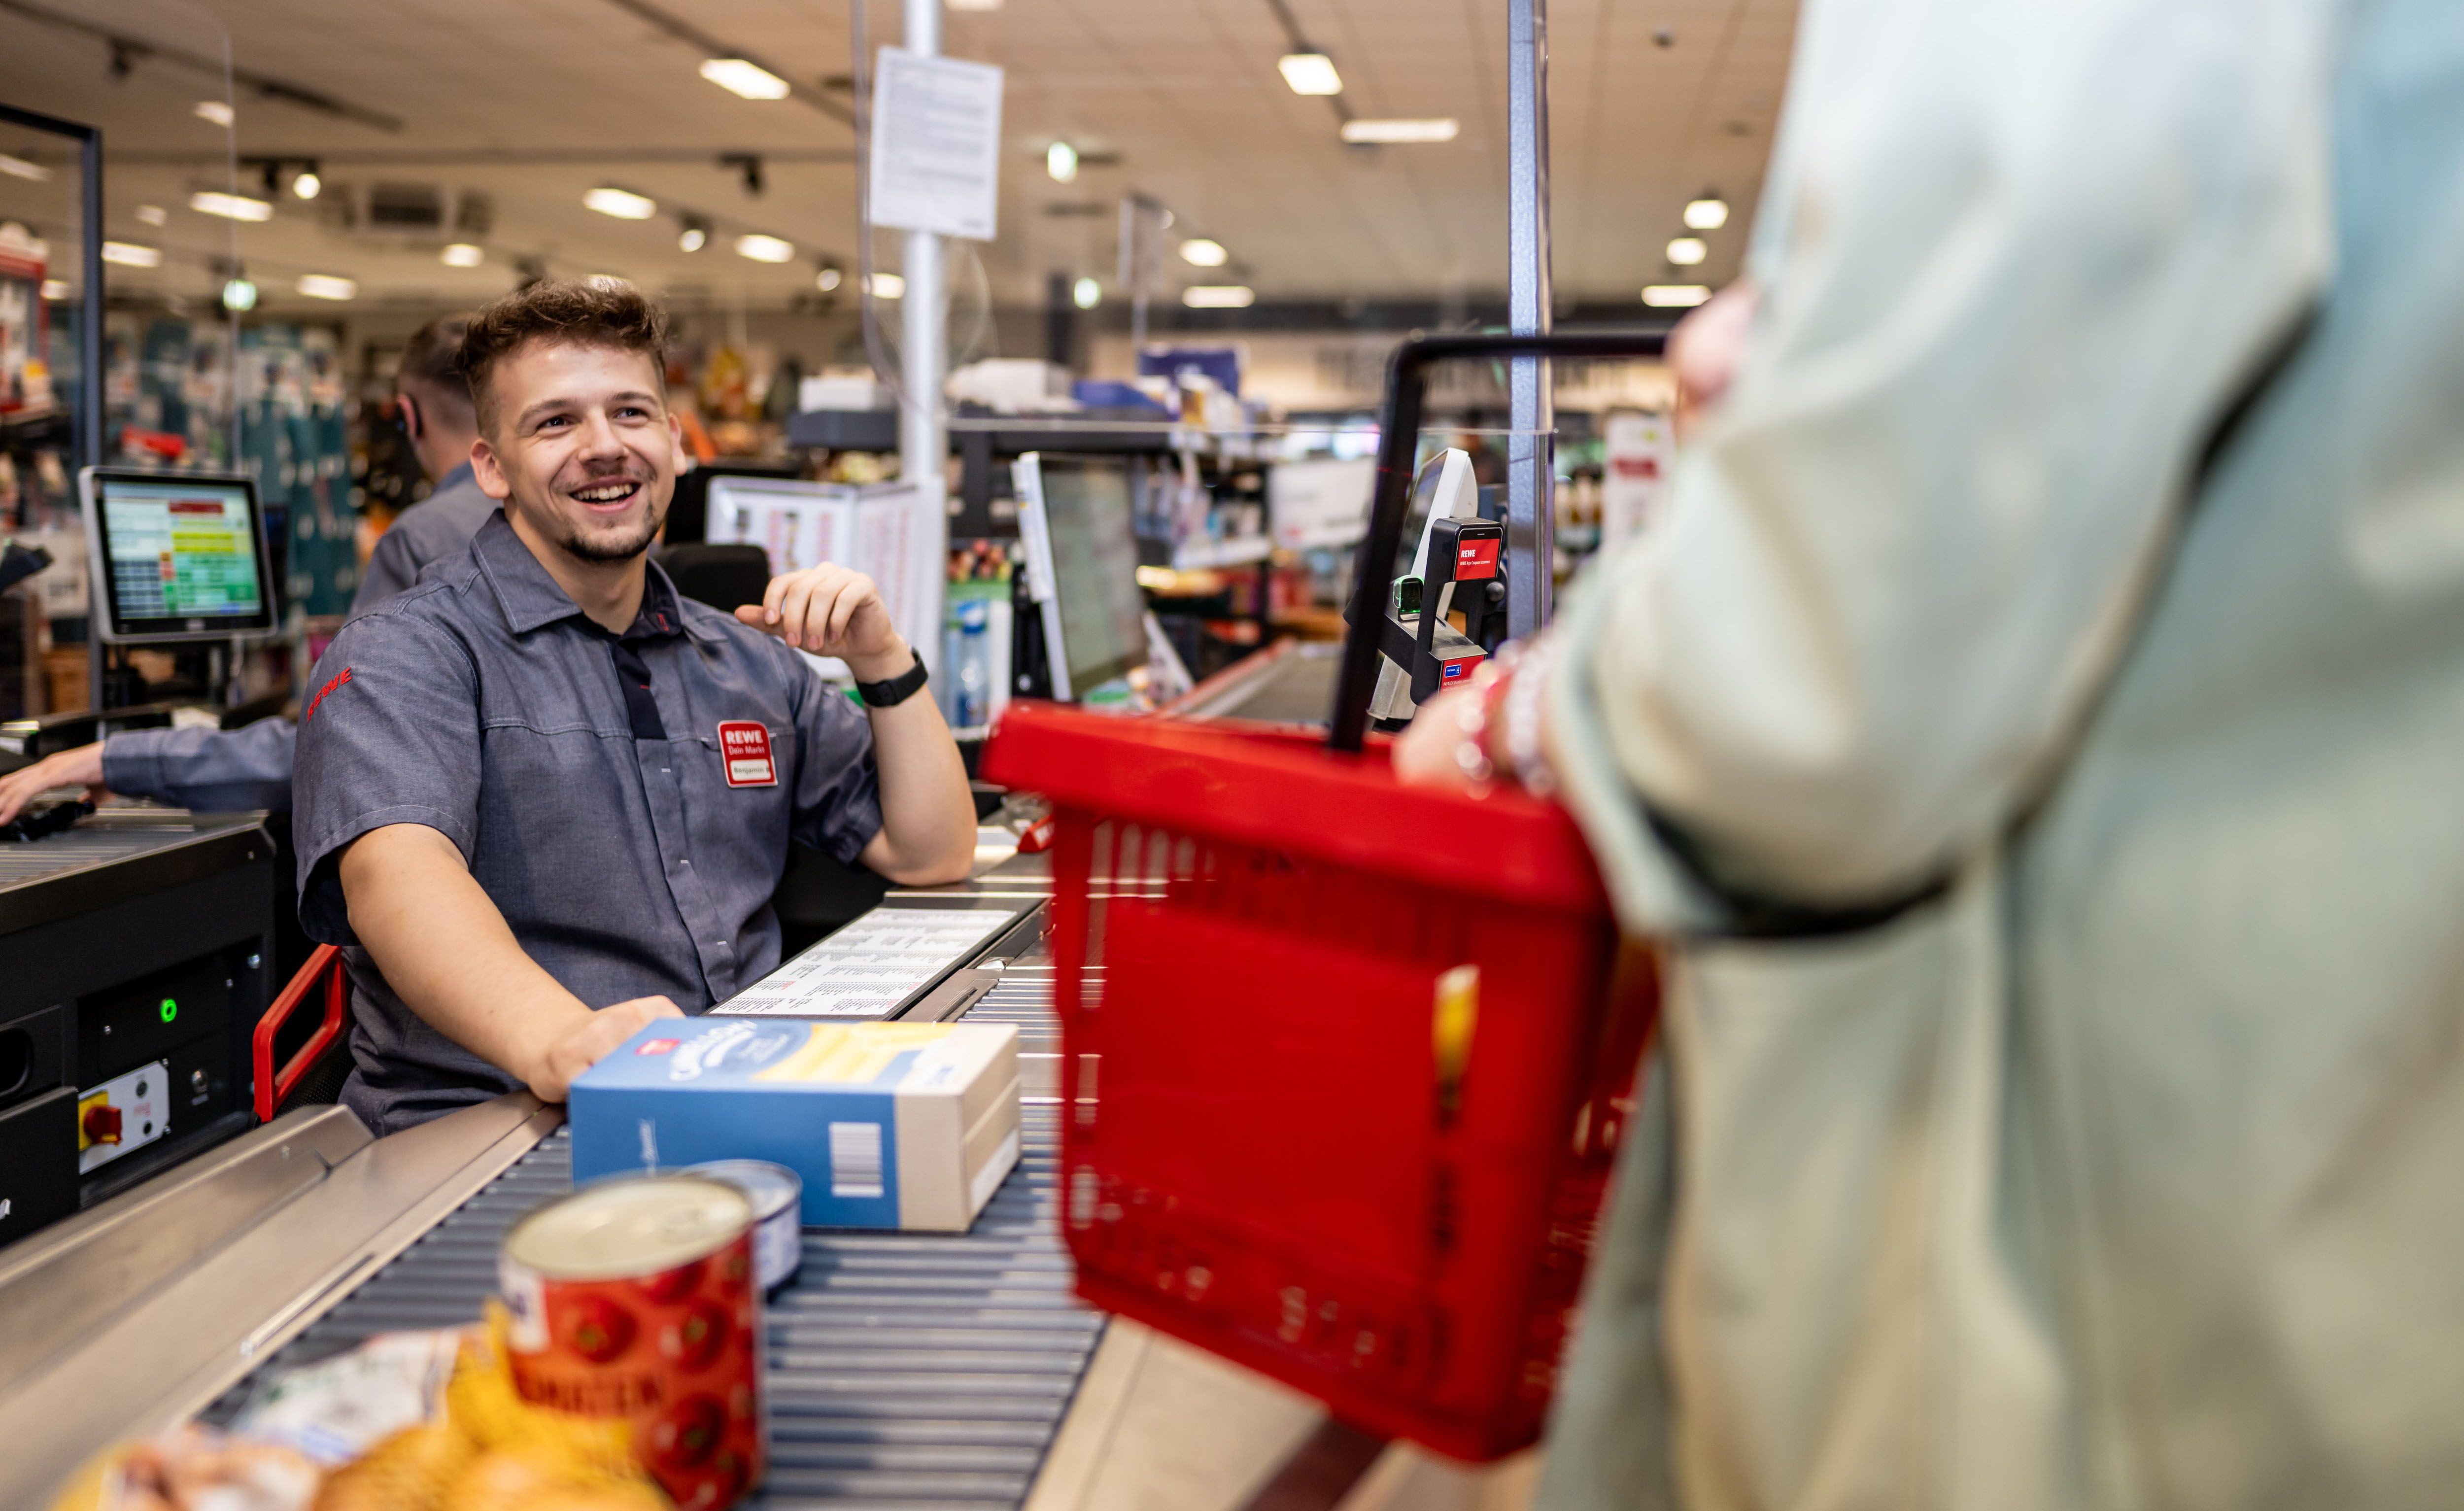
point(920, 1371)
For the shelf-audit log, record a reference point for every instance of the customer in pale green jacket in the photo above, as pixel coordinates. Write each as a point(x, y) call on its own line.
point(2037, 732)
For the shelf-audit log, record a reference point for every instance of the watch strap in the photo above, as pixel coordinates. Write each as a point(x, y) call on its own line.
point(895, 690)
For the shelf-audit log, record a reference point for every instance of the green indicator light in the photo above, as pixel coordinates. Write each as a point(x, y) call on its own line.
point(170, 1009)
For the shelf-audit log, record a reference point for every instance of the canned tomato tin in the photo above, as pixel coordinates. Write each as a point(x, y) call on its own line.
point(635, 1298)
point(777, 1197)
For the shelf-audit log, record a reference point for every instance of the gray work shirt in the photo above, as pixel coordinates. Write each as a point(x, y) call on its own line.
point(214, 771)
point(631, 847)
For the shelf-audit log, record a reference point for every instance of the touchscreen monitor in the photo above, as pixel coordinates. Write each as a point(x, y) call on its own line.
point(176, 556)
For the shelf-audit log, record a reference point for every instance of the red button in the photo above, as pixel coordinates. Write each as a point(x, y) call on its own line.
point(102, 1123)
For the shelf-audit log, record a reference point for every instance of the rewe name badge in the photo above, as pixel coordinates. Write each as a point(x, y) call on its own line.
point(744, 751)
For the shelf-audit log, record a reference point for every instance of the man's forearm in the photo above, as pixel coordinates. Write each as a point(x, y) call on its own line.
point(446, 951)
point(928, 818)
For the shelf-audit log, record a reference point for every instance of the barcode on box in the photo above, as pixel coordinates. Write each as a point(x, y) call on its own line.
point(855, 1159)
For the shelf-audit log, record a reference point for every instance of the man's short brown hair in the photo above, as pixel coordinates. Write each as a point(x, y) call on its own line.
point(601, 311)
point(431, 363)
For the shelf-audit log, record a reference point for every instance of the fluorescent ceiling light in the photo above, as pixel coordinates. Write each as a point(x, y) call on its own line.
point(738, 77)
point(888, 286)
point(462, 254)
point(623, 204)
point(230, 207)
point(1219, 297)
point(217, 111)
point(608, 280)
point(1687, 251)
point(153, 214)
point(1710, 213)
point(975, 5)
point(129, 254)
point(308, 186)
point(325, 286)
point(1085, 294)
point(1200, 252)
point(1675, 296)
point(239, 295)
point(55, 290)
point(764, 249)
point(20, 168)
point(1311, 73)
point(1389, 132)
point(1061, 160)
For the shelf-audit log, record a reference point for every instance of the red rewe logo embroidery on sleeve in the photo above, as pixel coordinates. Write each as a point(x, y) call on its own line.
point(744, 754)
point(337, 681)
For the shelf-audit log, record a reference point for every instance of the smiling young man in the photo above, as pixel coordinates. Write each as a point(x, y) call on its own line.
point(544, 800)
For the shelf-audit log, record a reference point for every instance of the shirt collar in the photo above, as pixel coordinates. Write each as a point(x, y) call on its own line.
point(529, 598)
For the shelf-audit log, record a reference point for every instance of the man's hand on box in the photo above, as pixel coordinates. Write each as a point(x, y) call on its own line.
point(69, 768)
point(576, 1047)
point(831, 610)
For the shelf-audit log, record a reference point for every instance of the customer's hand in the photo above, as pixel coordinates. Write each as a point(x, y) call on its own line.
point(1429, 753)
point(79, 767)
point(831, 610)
point(584, 1043)
point(1706, 346)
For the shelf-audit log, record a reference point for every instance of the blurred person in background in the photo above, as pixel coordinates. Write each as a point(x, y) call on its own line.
point(214, 771)
point(2032, 734)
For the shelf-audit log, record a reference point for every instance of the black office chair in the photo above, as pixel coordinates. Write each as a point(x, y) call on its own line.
point(726, 577)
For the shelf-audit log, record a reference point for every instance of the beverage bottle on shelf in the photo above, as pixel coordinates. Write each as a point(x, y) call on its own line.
point(975, 670)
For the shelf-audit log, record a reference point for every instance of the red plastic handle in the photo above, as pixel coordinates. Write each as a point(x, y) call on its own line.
point(272, 1086)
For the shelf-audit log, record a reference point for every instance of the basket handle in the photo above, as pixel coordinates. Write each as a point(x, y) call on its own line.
point(273, 1087)
point(1399, 438)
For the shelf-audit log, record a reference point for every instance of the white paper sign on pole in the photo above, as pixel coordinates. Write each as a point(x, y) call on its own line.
point(1635, 485)
point(936, 144)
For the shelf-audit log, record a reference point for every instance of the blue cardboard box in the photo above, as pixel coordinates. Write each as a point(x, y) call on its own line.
point(890, 1124)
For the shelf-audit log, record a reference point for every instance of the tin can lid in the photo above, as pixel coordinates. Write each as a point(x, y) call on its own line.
point(630, 1227)
point(773, 1188)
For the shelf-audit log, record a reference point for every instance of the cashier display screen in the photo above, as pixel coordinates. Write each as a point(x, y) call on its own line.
point(181, 554)
point(1095, 569)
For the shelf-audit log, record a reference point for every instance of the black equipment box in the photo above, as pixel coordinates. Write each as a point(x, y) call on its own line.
point(136, 957)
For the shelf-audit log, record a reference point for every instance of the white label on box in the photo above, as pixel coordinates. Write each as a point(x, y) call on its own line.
point(936, 143)
point(855, 1159)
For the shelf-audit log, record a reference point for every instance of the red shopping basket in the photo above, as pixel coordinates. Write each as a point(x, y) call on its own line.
point(1344, 1063)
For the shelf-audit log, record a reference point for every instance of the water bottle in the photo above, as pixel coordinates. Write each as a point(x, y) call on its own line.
point(975, 670)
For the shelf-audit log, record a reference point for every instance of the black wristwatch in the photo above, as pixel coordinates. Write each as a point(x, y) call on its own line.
point(896, 691)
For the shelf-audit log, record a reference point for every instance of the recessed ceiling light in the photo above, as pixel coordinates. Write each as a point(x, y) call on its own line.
point(462, 254)
point(239, 295)
point(308, 186)
point(764, 249)
point(217, 111)
point(230, 207)
point(1085, 294)
point(694, 237)
point(19, 168)
point(888, 286)
point(828, 279)
point(152, 214)
point(738, 77)
point(130, 254)
point(1687, 251)
point(1675, 296)
point(623, 204)
point(1200, 252)
point(326, 286)
point(1061, 160)
point(1311, 73)
point(1392, 132)
point(1219, 297)
point(1710, 213)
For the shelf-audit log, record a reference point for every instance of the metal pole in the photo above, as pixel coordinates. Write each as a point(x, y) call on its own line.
point(1531, 491)
point(923, 430)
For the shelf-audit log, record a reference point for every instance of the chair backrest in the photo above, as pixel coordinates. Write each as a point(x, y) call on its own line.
point(723, 576)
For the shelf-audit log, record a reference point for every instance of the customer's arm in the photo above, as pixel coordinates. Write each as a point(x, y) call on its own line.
point(446, 951)
point(927, 816)
point(2004, 320)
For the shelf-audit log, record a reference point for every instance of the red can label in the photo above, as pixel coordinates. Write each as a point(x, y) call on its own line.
point(744, 752)
point(678, 1353)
